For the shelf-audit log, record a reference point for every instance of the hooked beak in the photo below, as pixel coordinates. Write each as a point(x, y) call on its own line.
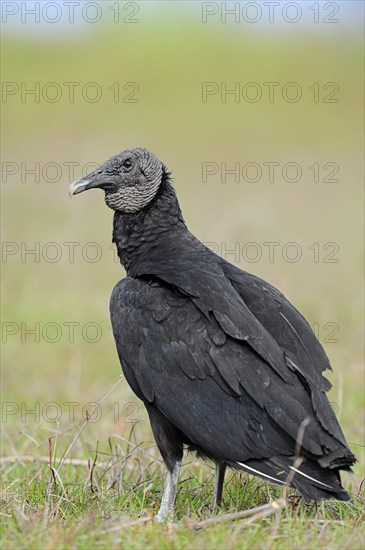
point(95, 180)
point(79, 186)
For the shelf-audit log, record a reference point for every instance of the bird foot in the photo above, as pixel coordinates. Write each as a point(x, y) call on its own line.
point(164, 516)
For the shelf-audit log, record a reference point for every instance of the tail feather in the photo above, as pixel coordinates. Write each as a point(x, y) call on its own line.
point(263, 470)
point(310, 479)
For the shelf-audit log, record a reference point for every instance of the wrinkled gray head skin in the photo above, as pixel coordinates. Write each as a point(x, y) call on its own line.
point(130, 180)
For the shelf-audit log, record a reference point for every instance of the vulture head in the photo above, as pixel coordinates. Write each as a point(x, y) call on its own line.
point(130, 180)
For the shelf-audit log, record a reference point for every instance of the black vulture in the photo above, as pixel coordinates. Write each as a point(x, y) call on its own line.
point(222, 361)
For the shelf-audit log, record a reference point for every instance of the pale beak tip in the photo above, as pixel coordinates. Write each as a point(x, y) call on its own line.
point(77, 186)
point(71, 190)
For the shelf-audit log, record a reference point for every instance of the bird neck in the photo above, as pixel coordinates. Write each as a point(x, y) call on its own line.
point(149, 231)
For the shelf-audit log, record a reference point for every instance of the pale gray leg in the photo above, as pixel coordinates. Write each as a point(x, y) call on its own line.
point(166, 511)
point(220, 470)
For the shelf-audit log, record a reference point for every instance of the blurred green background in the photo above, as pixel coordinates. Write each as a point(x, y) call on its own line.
point(167, 54)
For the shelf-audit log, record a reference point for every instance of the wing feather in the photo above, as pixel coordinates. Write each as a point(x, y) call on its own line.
point(217, 389)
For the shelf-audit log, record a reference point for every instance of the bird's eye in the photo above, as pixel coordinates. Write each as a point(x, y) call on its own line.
point(127, 164)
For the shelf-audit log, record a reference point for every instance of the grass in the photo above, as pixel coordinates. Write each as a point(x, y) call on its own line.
point(108, 498)
point(110, 501)
point(169, 54)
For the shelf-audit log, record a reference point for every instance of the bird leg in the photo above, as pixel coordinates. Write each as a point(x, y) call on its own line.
point(166, 511)
point(220, 470)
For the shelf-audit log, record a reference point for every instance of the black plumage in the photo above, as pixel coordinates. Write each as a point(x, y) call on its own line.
point(223, 362)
